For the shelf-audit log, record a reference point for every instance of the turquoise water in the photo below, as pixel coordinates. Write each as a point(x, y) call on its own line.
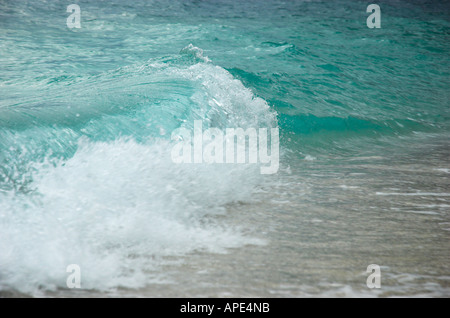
point(86, 177)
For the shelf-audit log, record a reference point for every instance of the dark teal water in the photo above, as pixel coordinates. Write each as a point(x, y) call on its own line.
point(86, 176)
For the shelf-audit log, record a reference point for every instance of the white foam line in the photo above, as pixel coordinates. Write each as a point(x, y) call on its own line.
point(415, 194)
point(423, 212)
point(443, 170)
point(343, 186)
point(434, 205)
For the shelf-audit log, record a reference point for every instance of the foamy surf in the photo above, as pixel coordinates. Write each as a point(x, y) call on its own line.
point(119, 207)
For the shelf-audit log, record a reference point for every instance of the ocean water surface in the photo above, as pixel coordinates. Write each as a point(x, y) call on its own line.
point(87, 177)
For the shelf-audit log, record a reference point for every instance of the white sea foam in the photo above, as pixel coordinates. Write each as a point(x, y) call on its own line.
point(414, 194)
point(445, 170)
point(116, 209)
point(119, 208)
